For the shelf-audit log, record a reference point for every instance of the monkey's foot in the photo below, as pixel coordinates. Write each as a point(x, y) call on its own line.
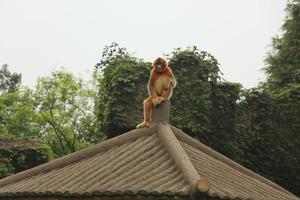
point(158, 100)
point(143, 124)
point(155, 101)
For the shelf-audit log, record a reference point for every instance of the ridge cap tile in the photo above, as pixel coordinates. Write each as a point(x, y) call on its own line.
point(179, 155)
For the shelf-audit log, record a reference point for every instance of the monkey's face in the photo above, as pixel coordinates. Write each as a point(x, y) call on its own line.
point(159, 68)
point(160, 65)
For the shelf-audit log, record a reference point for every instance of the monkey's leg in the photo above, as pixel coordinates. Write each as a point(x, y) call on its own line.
point(147, 113)
point(147, 109)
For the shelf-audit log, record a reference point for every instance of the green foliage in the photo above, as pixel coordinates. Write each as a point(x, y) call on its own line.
point(65, 109)
point(109, 54)
point(6, 167)
point(202, 105)
point(60, 111)
point(283, 62)
point(17, 116)
point(195, 71)
point(273, 121)
point(287, 141)
point(9, 82)
point(121, 93)
point(224, 97)
point(268, 126)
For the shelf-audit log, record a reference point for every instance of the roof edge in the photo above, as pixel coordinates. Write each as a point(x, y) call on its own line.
point(206, 149)
point(179, 155)
point(76, 156)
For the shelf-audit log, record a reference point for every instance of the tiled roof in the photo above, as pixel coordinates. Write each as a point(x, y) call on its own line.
point(19, 143)
point(157, 161)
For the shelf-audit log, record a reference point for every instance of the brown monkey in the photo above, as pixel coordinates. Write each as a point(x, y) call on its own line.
point(160, 88)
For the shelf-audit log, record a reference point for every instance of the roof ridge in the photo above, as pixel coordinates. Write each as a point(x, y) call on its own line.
point(180, 157)
point(206, 149)
point(78, 155)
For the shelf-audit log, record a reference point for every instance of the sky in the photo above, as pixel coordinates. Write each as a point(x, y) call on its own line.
point(40, 36)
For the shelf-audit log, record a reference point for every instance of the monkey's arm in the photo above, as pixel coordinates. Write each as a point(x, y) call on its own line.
point(151, 88)
point(172, 81)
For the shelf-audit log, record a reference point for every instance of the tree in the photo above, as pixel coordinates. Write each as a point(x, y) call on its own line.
point(65, 109)
point(110, 53)
point(223, 116)
point(268, 128)
point(122, 88)
point(17, 116)
point(283, 62)
point(280, 128)
point(9, 82)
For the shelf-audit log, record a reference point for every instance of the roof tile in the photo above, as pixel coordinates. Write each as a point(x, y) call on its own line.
point(156, 161)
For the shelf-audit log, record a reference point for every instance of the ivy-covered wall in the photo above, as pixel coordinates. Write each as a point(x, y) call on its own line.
point(123, 89)
point(17, 155)
point(203, 105)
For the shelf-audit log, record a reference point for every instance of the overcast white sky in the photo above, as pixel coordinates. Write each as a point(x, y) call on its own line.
point(38, 36)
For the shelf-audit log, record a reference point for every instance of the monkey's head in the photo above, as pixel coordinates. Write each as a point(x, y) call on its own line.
point(160, 65)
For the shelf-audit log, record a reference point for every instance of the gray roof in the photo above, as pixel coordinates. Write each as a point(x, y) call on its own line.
point(150, 162)
point(10, 143)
